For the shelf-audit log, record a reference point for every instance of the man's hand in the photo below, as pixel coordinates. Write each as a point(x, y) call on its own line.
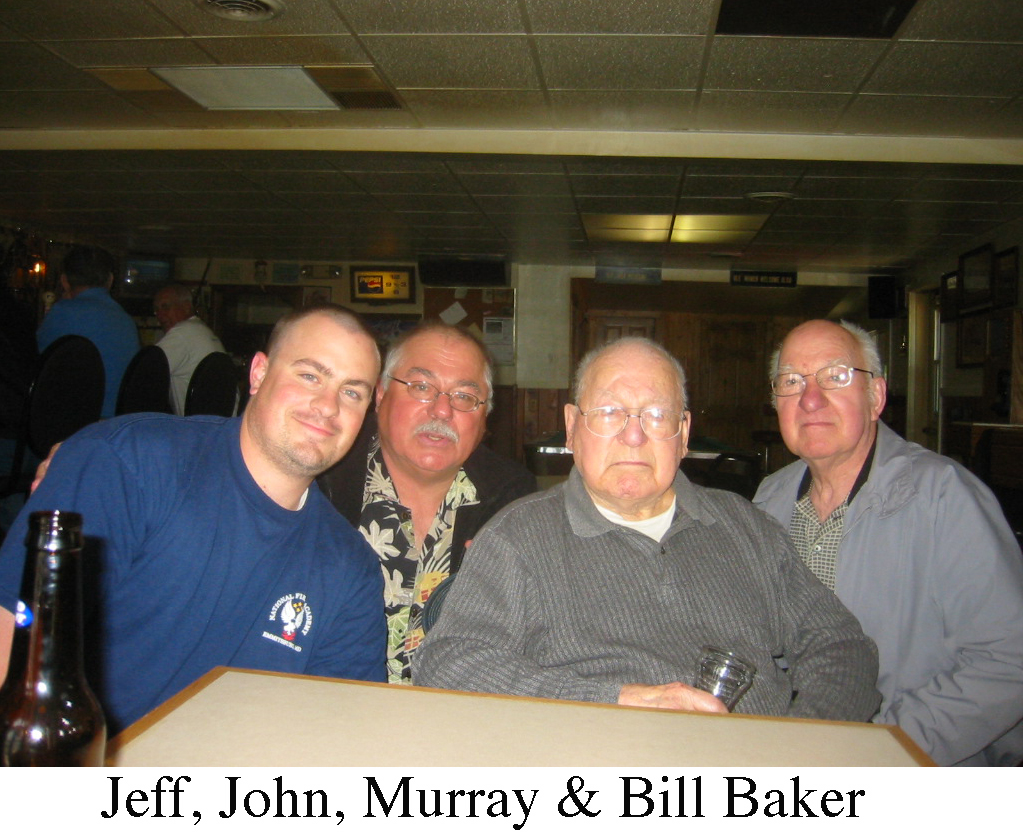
point(673, 696)
point(41, 469)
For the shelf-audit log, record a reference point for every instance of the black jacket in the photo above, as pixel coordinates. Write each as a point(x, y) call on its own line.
point(498, 481)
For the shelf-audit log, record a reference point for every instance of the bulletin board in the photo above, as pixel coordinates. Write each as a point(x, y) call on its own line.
point(487, 312)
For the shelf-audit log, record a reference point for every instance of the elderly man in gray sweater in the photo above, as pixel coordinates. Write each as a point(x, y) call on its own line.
point(606, 587)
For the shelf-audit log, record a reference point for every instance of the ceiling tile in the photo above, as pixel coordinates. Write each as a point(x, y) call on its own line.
point(470, 62)
point(942, 69)
point(623, 62)
point(789, 64)
point(48, 110)
point(437, 16)
point(640, 17)
point(597, 185)
point(293, 49)
point(514, 184)
point(59, 20)
point(954, 20)
point(152, 52)
point(788, 113)
point(25, 66)
point(622, 110)
point(709, 186)
point(920, 115)
point(305, 17)
point(466, 108)
point(852, 187)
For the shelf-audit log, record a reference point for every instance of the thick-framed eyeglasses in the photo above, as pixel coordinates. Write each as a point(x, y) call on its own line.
point(828, 378)
point(424, 391)
point(610, 421)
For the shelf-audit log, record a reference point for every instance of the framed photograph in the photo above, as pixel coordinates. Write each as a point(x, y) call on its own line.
point(971, 345)
point(316, 294)
point(949, 301)
point(976, 269)
point(1006, 277)
point(375, 284)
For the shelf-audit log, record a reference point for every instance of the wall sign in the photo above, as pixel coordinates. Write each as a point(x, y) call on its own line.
point(764, 279)
point(383, 284)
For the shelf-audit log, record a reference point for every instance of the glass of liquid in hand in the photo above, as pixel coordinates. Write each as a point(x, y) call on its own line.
point(724, 675)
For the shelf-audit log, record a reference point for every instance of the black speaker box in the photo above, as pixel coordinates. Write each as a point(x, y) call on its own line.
point(458, 271)
point(884, 297)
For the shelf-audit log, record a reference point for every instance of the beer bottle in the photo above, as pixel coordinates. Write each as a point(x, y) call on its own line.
point(48, 714)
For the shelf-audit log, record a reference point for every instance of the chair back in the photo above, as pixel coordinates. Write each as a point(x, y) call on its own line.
point(213, 388)
point(67, 393)
point(146, 383)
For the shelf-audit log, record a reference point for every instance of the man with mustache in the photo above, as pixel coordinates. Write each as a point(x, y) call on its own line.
point(417, 483)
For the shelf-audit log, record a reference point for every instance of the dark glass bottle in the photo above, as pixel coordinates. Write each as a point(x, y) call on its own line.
point(48, 714)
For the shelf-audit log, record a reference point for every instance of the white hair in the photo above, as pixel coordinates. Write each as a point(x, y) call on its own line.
point(865, 342)
point(645, 343)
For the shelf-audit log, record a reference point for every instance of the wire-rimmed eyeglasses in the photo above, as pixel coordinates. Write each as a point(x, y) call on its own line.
point(608, 421)
point(828, 378)
point(424, 391)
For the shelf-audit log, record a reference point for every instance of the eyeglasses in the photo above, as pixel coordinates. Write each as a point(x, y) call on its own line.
point(424, 391)
point(610, 421)
point(828, 378)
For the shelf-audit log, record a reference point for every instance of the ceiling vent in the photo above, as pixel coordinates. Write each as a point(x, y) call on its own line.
point(243, 10)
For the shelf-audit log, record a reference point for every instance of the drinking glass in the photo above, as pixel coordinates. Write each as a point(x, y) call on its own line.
point(724, 675)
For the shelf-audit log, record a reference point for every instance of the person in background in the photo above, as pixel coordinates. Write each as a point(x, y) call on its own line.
point(88, 310)
point(913, 544)
point(605, 587)
point(208, 543)
point(418, 484)
point(186, 341)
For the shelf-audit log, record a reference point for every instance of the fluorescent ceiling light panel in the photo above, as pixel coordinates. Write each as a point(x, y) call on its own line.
point(712, 236)
point(615, 235)
point(248, 88)
point(596, 221)
point(691, 229)
point(719, 222)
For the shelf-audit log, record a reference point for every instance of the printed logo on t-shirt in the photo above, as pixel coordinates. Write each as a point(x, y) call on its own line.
point(290, 617)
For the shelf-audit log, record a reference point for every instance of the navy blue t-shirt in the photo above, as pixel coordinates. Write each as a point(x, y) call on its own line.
point(194, 566)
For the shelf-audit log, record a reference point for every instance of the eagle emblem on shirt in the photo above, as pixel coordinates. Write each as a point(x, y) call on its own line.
point(290, 620)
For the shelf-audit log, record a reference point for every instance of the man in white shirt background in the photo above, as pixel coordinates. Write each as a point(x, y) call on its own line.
point(186, 341)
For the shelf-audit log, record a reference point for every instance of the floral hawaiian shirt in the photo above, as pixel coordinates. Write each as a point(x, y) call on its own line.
point(409, 578)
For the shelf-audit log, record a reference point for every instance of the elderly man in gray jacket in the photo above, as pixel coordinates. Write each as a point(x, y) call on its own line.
point(605, 587)
point(913, 544)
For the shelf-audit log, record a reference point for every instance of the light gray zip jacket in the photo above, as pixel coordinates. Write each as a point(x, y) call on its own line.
point(933, 572)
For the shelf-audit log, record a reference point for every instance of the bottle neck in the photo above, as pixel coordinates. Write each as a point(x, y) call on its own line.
point(55, 639)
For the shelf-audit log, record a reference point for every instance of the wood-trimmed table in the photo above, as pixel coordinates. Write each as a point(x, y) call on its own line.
point(244, 718)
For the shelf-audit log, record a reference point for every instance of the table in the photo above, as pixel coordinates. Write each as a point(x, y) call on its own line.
point(240, 718)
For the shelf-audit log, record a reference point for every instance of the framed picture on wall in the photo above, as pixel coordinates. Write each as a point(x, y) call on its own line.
point(976, 269)
point(316, 294)
point(949, 301)
point(971, 343)
point(1005, 279)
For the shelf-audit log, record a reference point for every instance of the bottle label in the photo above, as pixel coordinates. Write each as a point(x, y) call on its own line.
point(23, 615)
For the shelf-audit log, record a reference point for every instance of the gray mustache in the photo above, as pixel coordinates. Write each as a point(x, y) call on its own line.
point(438, 428)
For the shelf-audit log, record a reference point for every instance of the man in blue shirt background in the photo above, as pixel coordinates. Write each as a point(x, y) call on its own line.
point(88, 310)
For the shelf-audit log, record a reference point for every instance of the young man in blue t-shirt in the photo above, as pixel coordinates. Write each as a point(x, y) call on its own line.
point(212, 544)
